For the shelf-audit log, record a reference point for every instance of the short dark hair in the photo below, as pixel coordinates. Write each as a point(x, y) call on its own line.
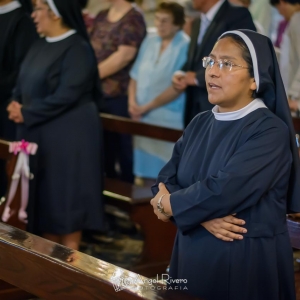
point(245, 53)
point(275, 2)
point(83, 3)
point(175, 9)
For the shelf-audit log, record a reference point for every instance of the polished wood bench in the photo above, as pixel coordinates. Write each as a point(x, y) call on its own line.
point(134, 200)
point(51, 271)
point(158, 237)
point(8, 291)
point(124, 125)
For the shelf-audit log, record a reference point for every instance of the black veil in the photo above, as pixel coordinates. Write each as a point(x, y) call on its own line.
point(70, 12)
point(27, 5)
point(271, 90)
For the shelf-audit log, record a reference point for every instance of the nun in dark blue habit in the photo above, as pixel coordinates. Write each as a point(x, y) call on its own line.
point(56, 104)
point(17, 34)
point(233, 176)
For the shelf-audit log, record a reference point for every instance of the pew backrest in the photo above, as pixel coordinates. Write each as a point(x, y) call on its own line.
point(124, 125)
point(51, 271)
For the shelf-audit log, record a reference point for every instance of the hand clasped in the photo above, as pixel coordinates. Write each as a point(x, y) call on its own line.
point(161, 204)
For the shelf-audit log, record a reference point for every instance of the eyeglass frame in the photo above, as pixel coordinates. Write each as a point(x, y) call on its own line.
point(35, 9)
point(222, 61)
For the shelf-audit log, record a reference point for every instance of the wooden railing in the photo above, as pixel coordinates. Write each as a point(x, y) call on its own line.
point(125, 125)
point(51, 271)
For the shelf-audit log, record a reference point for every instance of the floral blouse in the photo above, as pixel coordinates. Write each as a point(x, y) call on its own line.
point(106, 37)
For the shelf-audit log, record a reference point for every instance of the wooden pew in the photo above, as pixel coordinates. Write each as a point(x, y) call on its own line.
point(294, 231)
point(8, 291)
point(134, 200)
point(51, 271)
point(125, 125)
point(158, 236)
point(296, 123)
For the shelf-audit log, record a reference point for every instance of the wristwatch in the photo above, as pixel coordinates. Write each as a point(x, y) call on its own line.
point(160, 207)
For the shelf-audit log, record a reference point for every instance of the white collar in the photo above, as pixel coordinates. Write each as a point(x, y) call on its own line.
point(4, 9)
point(238, 114)
point(213, 11)
point(60, 37)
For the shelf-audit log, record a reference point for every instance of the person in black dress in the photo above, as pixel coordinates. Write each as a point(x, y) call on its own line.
point(17, 34)
point(56, 104)
point(235, 165)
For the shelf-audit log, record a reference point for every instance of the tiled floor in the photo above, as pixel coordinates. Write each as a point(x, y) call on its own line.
point(122, 246)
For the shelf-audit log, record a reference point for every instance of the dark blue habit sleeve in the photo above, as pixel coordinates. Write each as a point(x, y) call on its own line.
point(169, 172)
point(76, 73)
point(245, 180)
point(17, 94)
point(24, 37)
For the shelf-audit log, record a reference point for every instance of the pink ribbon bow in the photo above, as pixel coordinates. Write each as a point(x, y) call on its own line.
point(22, 171)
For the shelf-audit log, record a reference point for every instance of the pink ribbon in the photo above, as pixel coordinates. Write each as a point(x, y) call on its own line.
point(23, 149)
point(28, 148)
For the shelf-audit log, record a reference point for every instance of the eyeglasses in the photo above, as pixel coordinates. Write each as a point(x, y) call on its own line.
point(223, 64)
